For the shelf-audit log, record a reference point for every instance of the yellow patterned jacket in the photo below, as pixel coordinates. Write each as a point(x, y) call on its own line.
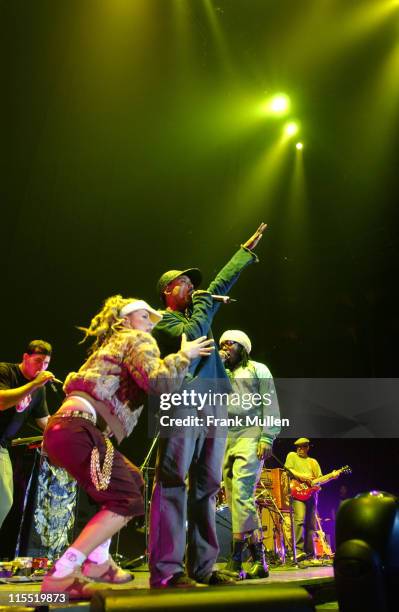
point(116, 378)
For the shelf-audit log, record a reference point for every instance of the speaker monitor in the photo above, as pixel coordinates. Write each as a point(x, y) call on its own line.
point(235, 599)
point(366, 563)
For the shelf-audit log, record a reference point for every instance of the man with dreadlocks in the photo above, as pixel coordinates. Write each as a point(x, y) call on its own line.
point(105, 398)
point(249, 443)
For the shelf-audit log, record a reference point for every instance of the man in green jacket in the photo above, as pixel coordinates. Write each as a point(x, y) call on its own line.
point(196, 452)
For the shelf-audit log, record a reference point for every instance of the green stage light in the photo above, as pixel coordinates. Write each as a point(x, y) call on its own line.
point(299, 146)
point(279, 104)
point(291, 128)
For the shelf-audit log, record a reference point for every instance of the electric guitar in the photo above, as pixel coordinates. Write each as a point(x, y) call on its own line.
point(303, 491)
point(321, 546)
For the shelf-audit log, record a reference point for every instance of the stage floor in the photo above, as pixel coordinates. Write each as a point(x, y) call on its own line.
point(313, 579)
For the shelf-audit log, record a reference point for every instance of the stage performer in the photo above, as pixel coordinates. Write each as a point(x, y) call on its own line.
point(305, 469)
point(197, 453)
point(255, 424)
point(22, 395)
point(104, 398)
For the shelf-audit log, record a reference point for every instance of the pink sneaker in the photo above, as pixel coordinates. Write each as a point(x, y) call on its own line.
point(108, 571)
point(75, 585)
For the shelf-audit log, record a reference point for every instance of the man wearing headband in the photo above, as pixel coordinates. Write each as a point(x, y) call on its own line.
point(194, 453)
point(256, 422)
point(22, 395)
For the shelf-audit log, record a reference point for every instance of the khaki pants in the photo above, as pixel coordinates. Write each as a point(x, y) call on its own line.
point(241, 473)
point(6, 484)
point(305, 524)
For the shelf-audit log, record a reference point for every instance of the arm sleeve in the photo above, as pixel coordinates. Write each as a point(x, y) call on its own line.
point(270, 403)
point(229, 274)
point(317, 468)
point(173, 325)
point(149, 371)
point(289, 462)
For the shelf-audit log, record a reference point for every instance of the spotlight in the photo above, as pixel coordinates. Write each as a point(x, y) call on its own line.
point(299, 146)
point(279, 104)
point(291, 128)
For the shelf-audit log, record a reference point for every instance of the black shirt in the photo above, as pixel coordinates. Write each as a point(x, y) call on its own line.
point(35, 405)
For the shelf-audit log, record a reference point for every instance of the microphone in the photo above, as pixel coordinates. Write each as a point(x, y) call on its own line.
point(226, 299)
point(224, 355)
point(52, 385)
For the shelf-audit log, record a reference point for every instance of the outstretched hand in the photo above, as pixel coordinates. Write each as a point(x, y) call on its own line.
point(254, 239)
point(201, 347)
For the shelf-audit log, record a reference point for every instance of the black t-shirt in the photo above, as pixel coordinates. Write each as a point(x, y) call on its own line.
point(35, 405)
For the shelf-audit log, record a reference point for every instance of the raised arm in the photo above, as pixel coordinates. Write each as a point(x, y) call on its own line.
point(229, 274)
point(251, 243)
point(169, 331)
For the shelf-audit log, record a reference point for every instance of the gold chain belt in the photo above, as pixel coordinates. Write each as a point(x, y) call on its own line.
point(100, 477)
point(78, 413)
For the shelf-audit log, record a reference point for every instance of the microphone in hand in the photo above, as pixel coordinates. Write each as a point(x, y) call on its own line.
point(224, 355)
point(226, 299)
point(52, 385)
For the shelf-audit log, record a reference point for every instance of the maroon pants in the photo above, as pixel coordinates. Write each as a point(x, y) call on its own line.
point(69, 441)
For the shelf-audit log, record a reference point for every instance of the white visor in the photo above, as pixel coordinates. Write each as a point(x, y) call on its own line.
point(155, 315)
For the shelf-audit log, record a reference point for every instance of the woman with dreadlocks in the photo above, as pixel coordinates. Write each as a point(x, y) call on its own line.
point(105, 398)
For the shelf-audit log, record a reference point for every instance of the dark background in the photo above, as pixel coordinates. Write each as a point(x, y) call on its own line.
point(133, 143)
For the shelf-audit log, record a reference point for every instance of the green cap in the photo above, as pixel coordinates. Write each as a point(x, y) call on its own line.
point(194, 274)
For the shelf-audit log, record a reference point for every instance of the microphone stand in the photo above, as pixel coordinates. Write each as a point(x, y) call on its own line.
point(146, 469)
point(288, 471)
point(269, 497)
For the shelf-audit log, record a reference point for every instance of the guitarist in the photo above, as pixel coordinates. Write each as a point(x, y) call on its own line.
point(305, 469)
